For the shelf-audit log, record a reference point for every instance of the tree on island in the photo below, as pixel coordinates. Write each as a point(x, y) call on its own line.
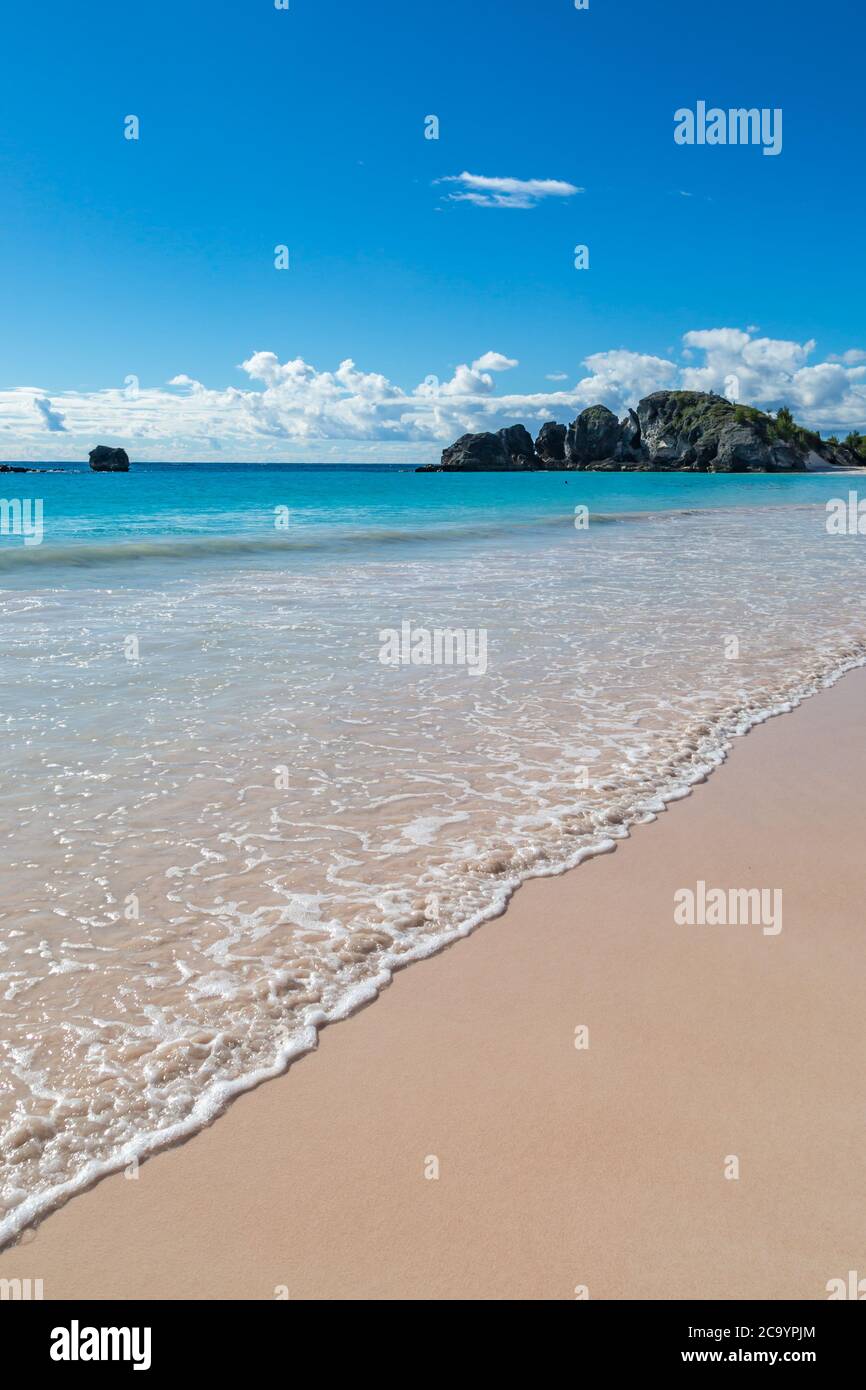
point(857, 442)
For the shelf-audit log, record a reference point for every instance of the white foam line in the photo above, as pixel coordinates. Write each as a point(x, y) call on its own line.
point(219, 1094)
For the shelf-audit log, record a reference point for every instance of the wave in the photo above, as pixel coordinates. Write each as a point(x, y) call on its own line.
point(735, 723)
point(91, 554)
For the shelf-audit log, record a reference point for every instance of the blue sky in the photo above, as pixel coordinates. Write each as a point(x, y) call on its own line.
point(155, 258)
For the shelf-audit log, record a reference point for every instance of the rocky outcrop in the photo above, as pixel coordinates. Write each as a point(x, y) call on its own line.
point(700, 431)
point(706, 433)
point(517, 442)
point(550, 445)
point(504, 451)
point(692, 431)
point(631, 435)
point(595, 434)
point(106, 460)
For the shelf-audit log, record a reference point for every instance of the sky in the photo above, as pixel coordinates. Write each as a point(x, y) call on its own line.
point(431, 285)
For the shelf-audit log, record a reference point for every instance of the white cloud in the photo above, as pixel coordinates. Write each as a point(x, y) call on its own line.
point(291, 410)
point(52, 418)
point(556, 376)
point(850, 358)
point(493, 362)
point(506, 193)
point(619, 378)
point(772, 372)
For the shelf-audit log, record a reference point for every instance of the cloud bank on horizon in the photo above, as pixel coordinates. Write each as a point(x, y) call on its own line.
point(291, 410)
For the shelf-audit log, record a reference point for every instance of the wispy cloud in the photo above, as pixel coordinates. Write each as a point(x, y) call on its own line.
point(487, 192)
point(292, 410)
point(850, 358)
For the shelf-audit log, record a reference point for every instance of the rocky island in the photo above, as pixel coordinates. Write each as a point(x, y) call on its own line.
point(106, 460)
point(687, 431)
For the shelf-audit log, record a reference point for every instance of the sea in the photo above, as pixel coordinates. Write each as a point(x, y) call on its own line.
point(272, 732)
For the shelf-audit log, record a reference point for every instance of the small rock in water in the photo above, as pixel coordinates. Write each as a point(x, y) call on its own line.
point(106, 460)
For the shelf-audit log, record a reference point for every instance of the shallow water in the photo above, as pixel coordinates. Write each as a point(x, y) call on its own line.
point(225, 820)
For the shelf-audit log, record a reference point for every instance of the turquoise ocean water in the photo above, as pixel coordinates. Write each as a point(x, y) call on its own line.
point(171, 502)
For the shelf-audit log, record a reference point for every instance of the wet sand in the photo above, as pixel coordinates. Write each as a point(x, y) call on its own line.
point(558, 1166)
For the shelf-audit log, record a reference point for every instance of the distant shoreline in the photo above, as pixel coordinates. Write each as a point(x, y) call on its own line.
point(76, 466)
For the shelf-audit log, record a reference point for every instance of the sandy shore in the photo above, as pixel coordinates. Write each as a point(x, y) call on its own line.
point(558, 1167)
